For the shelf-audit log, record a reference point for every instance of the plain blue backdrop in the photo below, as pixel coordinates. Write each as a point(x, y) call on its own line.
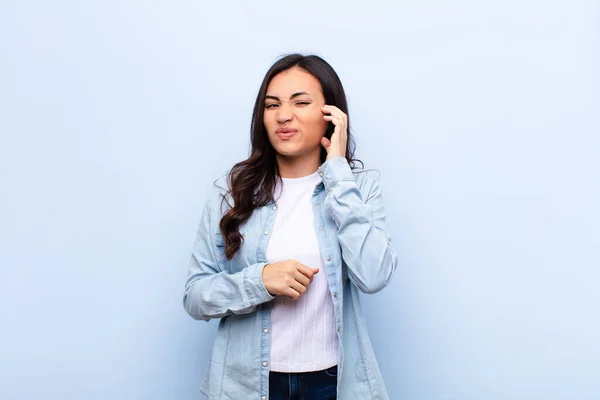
point(483, 117)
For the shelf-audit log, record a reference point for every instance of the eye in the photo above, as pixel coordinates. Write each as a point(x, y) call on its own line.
point(302, 103)
point(272, 105)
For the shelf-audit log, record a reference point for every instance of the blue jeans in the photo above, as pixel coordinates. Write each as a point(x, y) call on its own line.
point(317, 385)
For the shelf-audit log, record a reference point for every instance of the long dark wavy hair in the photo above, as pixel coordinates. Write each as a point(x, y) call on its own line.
point(252, 181)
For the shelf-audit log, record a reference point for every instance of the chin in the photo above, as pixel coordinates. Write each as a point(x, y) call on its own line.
point(289, 153)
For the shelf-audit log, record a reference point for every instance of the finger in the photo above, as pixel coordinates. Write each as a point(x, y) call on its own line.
point(301, 278)
point(326, 143)
point(330, 108)
point(298, 287)
point(308, 272)
point(335, 119)
point(291, 293)
point(335, 111)
point(339, 115)
point(338, 122)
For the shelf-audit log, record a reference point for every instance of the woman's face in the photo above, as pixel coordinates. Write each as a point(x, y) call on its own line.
point(292, 114)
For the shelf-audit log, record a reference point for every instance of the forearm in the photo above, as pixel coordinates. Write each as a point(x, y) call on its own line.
point(366, 245)
point(213, 293)
point(221, 294)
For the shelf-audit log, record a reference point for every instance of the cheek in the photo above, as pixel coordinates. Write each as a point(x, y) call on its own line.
point(269, 123)
point(315, 123)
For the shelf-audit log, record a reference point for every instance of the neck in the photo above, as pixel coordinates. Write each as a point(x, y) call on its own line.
point(298, 166)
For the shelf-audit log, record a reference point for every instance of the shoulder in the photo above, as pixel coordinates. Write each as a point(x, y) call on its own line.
point(218, 194)
point(221, 184)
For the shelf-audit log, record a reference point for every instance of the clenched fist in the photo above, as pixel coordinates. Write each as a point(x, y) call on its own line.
point(287, 278)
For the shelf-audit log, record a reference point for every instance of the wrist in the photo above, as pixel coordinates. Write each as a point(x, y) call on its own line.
point(263, 280)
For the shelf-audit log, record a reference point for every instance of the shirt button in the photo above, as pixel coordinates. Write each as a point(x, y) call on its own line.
point(264, 364)
point(320, 228)
point(338, 329)
point(263, 398)
point(328, 258)
point(265, 330)
point(266, 232)
point(316, 204)
point(320, 174)
point(274, 207)
point(334, 294)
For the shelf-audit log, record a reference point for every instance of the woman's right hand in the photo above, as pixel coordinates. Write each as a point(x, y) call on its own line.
point(287, 278)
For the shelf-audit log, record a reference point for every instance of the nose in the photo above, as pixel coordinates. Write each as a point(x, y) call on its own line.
point(284, 114)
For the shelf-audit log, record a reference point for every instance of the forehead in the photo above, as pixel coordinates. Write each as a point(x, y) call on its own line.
point(293, 80)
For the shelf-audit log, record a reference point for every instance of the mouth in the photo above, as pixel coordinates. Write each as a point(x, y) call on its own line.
point(286, 133)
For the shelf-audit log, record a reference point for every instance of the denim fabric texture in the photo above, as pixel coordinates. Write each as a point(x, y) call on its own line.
point(314, 385)
point(349, 220)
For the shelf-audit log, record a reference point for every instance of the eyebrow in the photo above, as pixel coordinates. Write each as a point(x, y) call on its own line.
point(270, 96)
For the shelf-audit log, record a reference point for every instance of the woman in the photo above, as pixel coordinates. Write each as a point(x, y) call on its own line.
point(286, 242)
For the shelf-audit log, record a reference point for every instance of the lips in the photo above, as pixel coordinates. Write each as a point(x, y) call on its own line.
point(286, 133)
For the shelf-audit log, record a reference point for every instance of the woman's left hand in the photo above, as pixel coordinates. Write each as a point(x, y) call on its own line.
point(336, 147)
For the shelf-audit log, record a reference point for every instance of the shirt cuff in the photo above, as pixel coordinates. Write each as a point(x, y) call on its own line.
point(254, 285)
point(335, 170)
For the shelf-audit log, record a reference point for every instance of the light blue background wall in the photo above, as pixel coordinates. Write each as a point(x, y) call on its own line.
point(483, 117)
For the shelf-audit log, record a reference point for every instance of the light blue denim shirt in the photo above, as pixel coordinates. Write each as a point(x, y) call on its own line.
point(349, 221)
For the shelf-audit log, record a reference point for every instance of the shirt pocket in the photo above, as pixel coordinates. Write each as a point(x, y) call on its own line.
point(220, 251)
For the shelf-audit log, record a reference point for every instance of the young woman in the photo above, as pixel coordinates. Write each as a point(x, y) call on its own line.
point(287, 241)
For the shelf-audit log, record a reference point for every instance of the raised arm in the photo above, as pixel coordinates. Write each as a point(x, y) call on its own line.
point(365, 243)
